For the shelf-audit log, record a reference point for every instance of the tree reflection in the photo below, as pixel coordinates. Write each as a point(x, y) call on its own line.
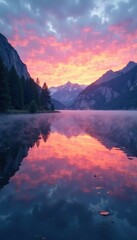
point(63, 185)
point(17, 136)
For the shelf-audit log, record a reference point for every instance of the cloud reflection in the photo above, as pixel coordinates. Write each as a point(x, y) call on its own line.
point(71, 174)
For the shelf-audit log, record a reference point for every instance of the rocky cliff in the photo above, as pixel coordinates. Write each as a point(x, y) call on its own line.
point(117, 93)
point(11, 58)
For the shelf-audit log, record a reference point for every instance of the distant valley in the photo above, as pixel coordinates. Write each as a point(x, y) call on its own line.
point(66, 94)
point(113, 90)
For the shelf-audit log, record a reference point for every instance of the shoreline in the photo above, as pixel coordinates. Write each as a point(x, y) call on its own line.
point(9, 112)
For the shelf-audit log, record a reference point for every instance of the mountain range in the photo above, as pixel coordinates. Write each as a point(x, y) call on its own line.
point(114, 90)
point(67, 93)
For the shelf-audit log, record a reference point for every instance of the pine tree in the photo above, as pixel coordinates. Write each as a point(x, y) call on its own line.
point(37, 94)
point(31, 92)
point(33, 107)
point(16, 89)
point(45, 97)
point(38, 82)
point(4, 91)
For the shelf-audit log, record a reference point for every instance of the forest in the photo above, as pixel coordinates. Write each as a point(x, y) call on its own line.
point(22, 94)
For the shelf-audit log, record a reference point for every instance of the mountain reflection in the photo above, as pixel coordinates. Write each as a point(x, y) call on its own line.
point(75, 165)
point(17, 135)
point(112, 129)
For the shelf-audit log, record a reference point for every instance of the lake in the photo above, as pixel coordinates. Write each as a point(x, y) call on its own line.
point(61, 173)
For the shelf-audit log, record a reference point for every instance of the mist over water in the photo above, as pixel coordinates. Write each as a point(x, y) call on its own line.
point(59, 170)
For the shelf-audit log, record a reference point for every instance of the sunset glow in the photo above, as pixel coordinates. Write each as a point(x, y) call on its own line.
point(75, 41)
point(74, 158)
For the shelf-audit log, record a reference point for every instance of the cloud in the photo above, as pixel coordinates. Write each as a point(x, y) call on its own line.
point(73, 32)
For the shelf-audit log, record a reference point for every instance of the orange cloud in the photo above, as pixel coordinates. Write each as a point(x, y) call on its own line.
point(81, 60)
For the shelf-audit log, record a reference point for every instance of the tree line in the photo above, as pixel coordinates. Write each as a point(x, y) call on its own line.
point(20, 93)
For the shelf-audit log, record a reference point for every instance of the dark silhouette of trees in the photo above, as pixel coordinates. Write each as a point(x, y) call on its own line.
point(45, 98)
point(33, 107)
point(20, 93)
point(4, 91)
point(16, 89)
point(31, 92)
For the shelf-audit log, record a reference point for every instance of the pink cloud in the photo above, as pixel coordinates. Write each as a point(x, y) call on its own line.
point(83, 59)
point(86, 29)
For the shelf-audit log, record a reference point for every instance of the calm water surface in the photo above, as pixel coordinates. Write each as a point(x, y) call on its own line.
point(58, 171)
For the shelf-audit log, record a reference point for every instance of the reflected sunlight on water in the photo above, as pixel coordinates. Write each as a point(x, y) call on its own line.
point(75, 166)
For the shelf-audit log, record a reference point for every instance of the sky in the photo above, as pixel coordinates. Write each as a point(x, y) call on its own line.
point(71, 40)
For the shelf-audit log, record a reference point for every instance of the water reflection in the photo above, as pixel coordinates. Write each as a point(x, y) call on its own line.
point(75, 166)
point(17, 135)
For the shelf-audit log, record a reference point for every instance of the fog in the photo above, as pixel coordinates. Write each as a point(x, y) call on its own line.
point(112, 128)
point(58, 170)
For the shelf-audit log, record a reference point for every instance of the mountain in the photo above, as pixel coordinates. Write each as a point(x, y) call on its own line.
point(118, 93)
point(128, 67)
point(109, 75)
point(17, 89)
point(66, 93)
point(58, 105)
point(106, 77)
point(11, 58)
